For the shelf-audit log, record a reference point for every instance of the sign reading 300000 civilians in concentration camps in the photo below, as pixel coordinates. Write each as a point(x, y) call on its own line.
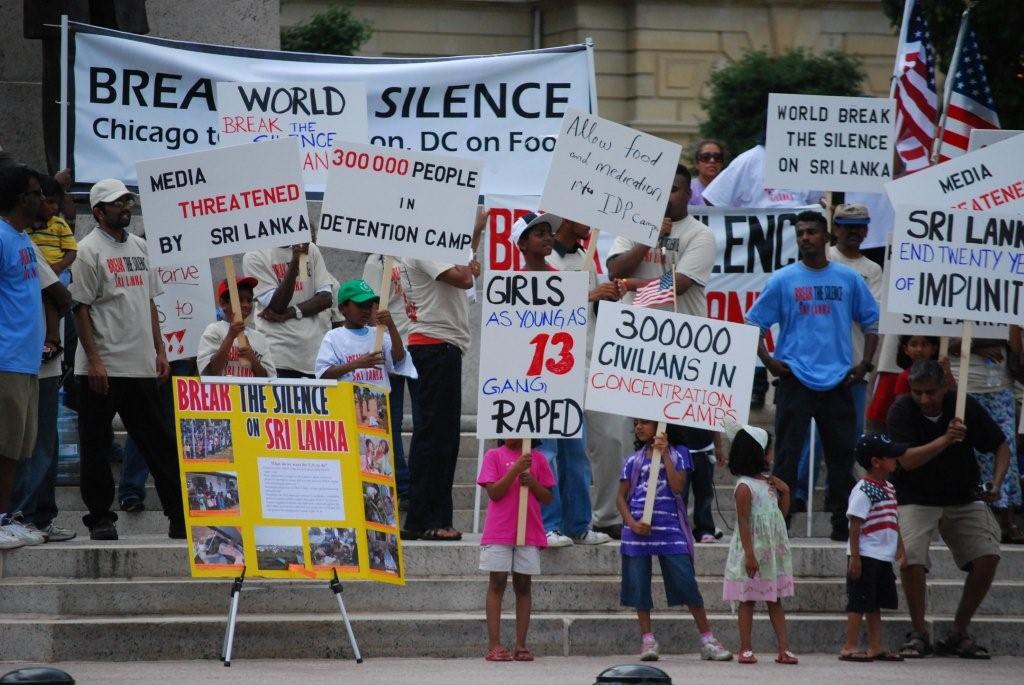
point(533, 348)
point(321, 116)
point(223, 202)
point(406, 204)
point(610, 176)
point(829, 142)
point(670, 367)
point(957, 264)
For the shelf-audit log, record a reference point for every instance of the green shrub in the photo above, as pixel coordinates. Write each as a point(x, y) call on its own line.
point(331, 32)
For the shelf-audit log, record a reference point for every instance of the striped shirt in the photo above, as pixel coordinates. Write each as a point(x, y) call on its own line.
point(874, 502)
point(54, 239)
point(667, 535)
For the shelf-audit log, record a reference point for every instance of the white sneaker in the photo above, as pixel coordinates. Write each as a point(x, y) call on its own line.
point(55, 533)
point(649, 650)
point(556, 539)
point(29, 536)
point(592, 537)
point(714, 651)
point(9, 540)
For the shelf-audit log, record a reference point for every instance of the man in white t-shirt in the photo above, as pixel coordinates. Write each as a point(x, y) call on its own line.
point(289, 304)
point(120, 360)
point(219, 353)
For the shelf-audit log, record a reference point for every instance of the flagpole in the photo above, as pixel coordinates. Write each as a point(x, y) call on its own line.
point(904, 26)
point(947, 87)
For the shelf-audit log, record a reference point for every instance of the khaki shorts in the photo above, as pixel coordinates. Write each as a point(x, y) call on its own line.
point(505, 558)
point(19, 414)
point(969, 530)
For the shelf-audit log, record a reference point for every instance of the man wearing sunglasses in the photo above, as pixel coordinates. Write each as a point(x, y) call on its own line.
point(120, 360)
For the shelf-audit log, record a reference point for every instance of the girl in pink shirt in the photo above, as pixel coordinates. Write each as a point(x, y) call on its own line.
point(505, 470)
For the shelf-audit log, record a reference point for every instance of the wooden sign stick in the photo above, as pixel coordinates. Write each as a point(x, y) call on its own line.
point(385, 297)
point(524, 493)
point(652, 479)
point(965, 363)
point(588, 256)
point(943, 346)
point(236, 307)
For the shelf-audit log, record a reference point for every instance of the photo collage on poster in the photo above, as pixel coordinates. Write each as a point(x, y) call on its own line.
point(376, 465)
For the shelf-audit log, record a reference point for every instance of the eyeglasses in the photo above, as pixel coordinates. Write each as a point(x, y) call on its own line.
point(126, 203)
point(711, 157)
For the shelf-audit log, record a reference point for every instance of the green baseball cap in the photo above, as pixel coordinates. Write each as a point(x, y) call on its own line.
point(357, 290)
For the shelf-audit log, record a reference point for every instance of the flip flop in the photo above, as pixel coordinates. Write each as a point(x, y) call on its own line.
point(859, 657)
point(522, 654)
point(787, 658)
point(886, 656)
point(438, 535)
point(498, 654)
point(747, 657)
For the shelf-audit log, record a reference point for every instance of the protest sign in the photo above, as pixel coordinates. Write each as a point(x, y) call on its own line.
point(610, 176)
point(186, 306)
point(957, 264)
point(662, 366)
point(321, 116)
point(400, 203)
point(533, 349)
point(830, 142)
point(983, 137)
point(222, 202)
point(983, 180)
point(288, 480)
point(140, 97)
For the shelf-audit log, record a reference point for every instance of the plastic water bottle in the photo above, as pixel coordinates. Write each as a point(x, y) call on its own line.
point(993, 374)
point(67, 445)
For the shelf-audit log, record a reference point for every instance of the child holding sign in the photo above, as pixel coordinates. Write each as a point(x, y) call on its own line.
point(499, 554)
point(667, 536)
point(219, 353)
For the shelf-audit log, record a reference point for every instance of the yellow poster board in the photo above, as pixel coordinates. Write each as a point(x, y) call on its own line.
point(290, 478)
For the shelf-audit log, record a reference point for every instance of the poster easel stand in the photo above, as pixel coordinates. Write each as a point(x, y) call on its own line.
point(236, 592)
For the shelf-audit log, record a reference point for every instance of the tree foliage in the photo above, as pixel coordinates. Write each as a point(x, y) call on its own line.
point(739, 92)
point(999, 25)
point(331, 32)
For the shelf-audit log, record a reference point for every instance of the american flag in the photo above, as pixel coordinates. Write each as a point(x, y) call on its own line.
point(970, 104)
point(916, 98)
point(882, 514)
point(656, 292)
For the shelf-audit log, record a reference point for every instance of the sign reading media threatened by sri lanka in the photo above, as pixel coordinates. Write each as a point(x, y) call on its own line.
point(957, 264)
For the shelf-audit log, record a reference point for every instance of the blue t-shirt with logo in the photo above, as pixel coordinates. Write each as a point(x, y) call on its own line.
point(815, 309)
point(21, 306)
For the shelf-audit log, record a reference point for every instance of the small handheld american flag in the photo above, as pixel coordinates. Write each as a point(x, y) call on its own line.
point(656, 292)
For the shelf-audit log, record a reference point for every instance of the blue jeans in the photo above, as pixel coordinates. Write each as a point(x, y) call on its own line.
point(860, 394)
point(397, 402)
point(569, 509)
point(34, 493)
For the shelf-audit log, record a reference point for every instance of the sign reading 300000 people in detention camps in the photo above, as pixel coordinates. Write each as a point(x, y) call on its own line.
point(610, 176)
point(829, 142)
point(321, 116)
point(287, 481)
point(957, 264)
point(533, 348)
point(222, 202)
point(406, 204)
point(662, 366)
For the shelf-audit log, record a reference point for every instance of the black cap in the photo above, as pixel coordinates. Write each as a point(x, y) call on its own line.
point(877, 445)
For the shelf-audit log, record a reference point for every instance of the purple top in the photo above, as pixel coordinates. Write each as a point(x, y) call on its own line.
point(667, 535)
point(696, 192)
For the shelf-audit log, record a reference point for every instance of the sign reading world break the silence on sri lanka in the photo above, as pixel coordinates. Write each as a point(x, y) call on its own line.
point(222, 202)
point(610, 176)
point(401, 203)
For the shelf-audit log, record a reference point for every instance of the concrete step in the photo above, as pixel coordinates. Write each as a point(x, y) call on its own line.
point(554, 594)
point(157, 556)
point(62, 638)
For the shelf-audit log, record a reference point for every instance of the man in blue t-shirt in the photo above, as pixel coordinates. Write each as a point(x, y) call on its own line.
point(815, 302)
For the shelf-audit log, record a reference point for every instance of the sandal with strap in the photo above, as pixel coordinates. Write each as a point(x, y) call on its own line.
point(961, 645)
point(498, 654)
point(522, 654)
point(886, 656)
point(917, 646)
point(859, 657)
point(787, 658)
point(439, 535)
point(747, 657)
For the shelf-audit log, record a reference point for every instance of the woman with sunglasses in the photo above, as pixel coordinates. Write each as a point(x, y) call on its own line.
point(710, 159)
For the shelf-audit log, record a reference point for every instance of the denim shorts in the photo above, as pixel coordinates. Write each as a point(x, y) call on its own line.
point(677, 572)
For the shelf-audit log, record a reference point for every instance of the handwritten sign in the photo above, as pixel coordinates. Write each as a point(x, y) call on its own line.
point(610, 176)
point(662, 366)
point(820, 141)
point(222, 202)
point(957, 264)
point(320, 116)
point(186, 306)
point(401, 203)
point(533, 350)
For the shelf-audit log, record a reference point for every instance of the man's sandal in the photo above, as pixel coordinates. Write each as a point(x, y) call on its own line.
point(917, 646)
point(961, 645)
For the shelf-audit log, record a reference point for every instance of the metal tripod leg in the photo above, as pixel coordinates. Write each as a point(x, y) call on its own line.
point(335, 586)
point(229, 633)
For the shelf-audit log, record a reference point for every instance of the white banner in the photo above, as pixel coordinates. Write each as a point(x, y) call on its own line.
point(610, 176)
point(957, 264)
point(656, 365)
point(533, 350)
point(983, 180)
point(140, 97)
point(186, 306)
point(222, 202)
point(406, 204)
point(823, 141)
point(321, 116)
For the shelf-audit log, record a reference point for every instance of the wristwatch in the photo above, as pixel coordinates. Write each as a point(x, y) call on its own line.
point(298, 313)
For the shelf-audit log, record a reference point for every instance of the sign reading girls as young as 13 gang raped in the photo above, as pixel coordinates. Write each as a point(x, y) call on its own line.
point(660, 366)
point(533, 341)
point(288, 480)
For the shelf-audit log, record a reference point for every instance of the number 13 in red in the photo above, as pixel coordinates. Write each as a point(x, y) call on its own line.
point(559, 366)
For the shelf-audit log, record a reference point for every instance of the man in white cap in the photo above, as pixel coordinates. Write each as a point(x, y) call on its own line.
point(120, 360)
